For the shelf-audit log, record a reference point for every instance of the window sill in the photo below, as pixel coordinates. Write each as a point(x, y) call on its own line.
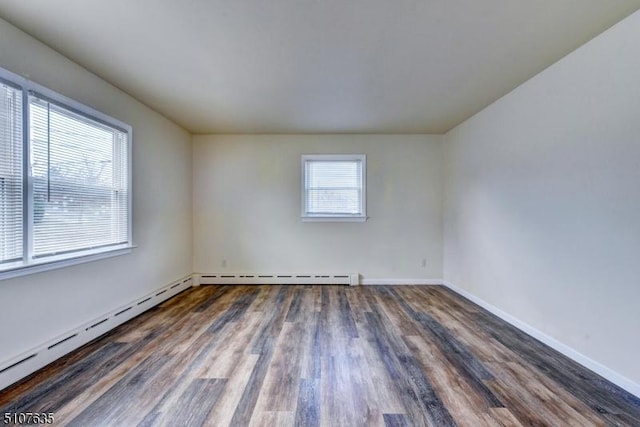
point(334, 218)
point(64, 262)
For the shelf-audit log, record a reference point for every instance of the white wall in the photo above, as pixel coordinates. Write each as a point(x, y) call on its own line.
point(542, 201)
point(38, 307)
point(247, 207)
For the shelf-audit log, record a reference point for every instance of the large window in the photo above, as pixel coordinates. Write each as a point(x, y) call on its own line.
point(64, 180)
point(333, 187)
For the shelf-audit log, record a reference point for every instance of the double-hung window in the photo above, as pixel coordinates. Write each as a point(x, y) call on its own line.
point(65, 194)
point(333, 187)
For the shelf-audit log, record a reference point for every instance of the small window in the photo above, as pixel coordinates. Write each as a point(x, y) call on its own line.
point(333, 187)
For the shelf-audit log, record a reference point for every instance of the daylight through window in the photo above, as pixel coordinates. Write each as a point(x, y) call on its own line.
point(72, 197)
point(334, 187)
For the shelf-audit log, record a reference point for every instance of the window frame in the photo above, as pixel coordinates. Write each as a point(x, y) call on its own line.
point(362, 216)
point(28, 264)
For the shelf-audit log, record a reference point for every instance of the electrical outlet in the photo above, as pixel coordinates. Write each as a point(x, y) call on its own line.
point(424, 263)
point(223, 264)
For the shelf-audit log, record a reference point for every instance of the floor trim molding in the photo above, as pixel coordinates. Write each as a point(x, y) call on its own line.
point(368, 282)
point(401, 282)
point(571, 353)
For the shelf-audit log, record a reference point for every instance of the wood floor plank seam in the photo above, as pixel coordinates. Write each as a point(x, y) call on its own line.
point(416, 389)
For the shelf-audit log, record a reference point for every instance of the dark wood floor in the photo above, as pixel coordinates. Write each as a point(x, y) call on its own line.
point(319, 355)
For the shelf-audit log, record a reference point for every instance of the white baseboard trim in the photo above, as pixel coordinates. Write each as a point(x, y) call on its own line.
point(401, 282)
point(578, 357)
point(22, 365)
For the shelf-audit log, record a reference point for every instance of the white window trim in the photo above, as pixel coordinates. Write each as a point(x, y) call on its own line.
point(333, 218)
point(31, 265)
point(78, 258)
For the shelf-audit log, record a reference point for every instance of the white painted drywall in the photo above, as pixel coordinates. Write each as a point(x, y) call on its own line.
point(542, 201)
point(39, 307)
point(247, 192)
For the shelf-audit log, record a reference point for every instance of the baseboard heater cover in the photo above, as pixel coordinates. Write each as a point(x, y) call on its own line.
point(351, 279)
point(21, 366)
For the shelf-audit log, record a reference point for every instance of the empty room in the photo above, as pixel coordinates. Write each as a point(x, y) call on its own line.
point(320, 213)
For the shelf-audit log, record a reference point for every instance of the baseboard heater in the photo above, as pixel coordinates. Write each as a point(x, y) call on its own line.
point(351, 279)
point(25, 364)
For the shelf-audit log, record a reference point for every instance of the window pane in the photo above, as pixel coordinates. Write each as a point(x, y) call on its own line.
point(80, 190)
point(334, 201)
point(335, 174)
point(333, 187)
point(11, 201)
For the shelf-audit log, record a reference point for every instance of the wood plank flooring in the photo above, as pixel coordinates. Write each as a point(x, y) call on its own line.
point(319, 356)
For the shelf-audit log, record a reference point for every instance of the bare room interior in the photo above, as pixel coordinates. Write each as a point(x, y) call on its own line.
point(336, 213)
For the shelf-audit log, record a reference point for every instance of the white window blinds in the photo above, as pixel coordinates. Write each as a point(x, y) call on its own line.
point(333, 186)
point(80, 183)
point(65, 185)
point(11, 167)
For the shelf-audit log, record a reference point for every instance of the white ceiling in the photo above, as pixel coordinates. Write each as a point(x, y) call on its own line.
point(316, 66)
